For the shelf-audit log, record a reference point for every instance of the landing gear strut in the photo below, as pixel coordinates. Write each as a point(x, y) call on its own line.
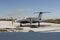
point(38, 24)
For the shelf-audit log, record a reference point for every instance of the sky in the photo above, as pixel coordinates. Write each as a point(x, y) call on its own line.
point(27, 8)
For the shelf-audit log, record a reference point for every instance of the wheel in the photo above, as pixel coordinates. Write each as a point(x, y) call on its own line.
point(20, 25)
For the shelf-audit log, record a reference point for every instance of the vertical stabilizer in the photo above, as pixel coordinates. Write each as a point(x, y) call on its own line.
point(40, 15)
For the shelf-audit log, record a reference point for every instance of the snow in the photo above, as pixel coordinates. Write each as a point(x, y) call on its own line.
point(45, 27)
point(8, 24)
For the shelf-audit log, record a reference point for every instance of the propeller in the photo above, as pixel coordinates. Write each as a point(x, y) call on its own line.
point(30, 21)
point(13, 20)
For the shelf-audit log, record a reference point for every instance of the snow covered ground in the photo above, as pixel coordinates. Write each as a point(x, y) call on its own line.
point(8, 24)
point(45, 27)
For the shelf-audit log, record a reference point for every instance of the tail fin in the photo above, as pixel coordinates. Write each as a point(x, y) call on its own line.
point(40, 15)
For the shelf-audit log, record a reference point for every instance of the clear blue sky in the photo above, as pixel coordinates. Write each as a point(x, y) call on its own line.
point(21, 8)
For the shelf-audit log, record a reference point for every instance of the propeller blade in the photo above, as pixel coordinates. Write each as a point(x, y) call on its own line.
point(30, 21)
